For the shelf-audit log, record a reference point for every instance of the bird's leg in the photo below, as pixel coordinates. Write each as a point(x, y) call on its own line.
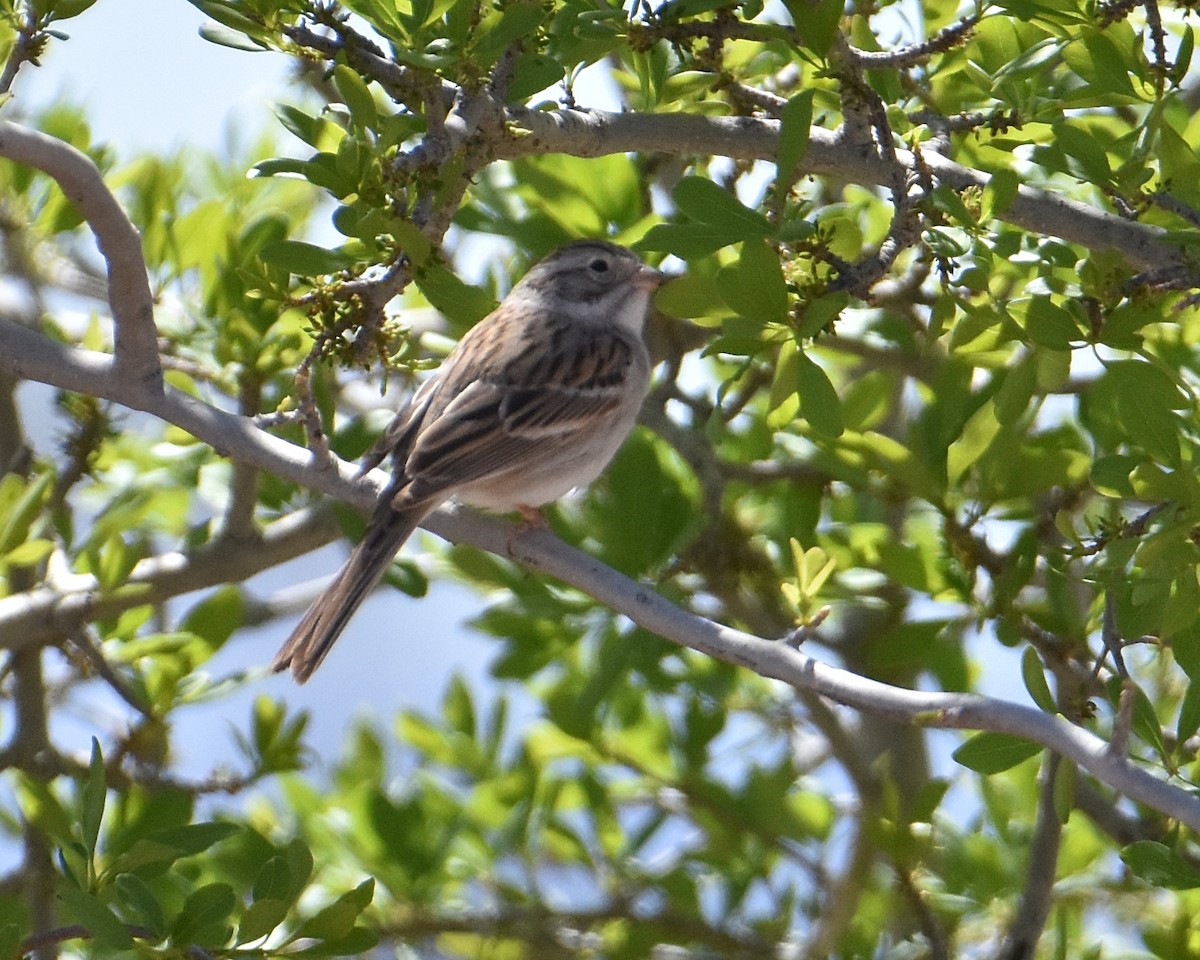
point(532, 518)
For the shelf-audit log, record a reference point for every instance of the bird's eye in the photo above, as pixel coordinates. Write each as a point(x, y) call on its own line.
point(598, 265)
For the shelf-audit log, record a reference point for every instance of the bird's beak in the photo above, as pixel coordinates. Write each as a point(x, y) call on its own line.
point(647, 278)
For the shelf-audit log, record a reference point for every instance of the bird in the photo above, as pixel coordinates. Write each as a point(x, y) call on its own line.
point(534, 401)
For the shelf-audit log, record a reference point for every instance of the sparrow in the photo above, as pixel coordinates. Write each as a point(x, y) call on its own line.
point(534, 401)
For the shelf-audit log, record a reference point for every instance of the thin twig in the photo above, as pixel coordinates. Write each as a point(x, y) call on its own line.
point(1021, 938)
point(103, 669)
point(1171, 204)
point(1160, 66)
point(1110, 635)
point(954, 35)
point(26, 47)
point(60, 935)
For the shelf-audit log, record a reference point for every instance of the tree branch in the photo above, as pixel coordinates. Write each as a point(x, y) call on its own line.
point(48, 612)
point(1021, 938)
point(129, 296)
point(596, 133)
point(541, 551)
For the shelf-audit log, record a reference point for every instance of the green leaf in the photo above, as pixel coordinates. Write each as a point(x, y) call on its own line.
point(1016, 390)
point(194, 837)
point(300, 124)
point(1034, 675)
point(337, 919)
point(225, 14)
point(224, 36)
point(323, 170)
point(497, 31)
point(457, 300)
point(279, 166)
point(96, 917)
point(1051, 325)
point(813, 567)
point(20, 504)
point(300, 865)
point(11, 936)
point(1091, 161)
point(205, 915)
point(136, 896)
point(28, 553)
point(699, 199)
point(685, 84)
point(1160, 865)
point(1031, 61)
point(216, 617)
point(819, 402)
point(1110, 475)
point(1183, 55)
point(641, 511)
point(991, 752)
point(998, 194)
point(948, 200)
point(816, 22)
point(534, 72)
point(1189, 713)
point(114, 562)
point(980, 430)
point(694, 296)
point(41, 807)
point(755, 287)
point(357, 943)
point(66, 9)
point(795, 124)
point(1145, 719)
point(274, 881)
point(786, 380)
point(260, 918)
point(688, 241)
point(95, 792)
point(412, 241)
point(458, 708)
point(1100, 62)
point(820, 313)
point(357, 97)
point(1145, 398)
point(304, 259)
point(1064, 790)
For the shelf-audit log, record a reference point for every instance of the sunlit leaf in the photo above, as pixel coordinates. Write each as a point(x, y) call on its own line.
point(990, 752)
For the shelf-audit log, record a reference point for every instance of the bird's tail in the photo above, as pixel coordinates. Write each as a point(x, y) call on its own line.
point(325, 620)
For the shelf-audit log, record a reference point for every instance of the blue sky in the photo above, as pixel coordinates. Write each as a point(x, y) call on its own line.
point(149, 80)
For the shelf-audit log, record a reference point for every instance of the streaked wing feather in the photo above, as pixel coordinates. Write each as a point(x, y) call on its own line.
point(398, 436)
point(545, 412)
point(485, 438)
point(516, 414)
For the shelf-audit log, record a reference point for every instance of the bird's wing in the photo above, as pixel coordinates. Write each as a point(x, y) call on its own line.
point(518, 413)
point(398, 436)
